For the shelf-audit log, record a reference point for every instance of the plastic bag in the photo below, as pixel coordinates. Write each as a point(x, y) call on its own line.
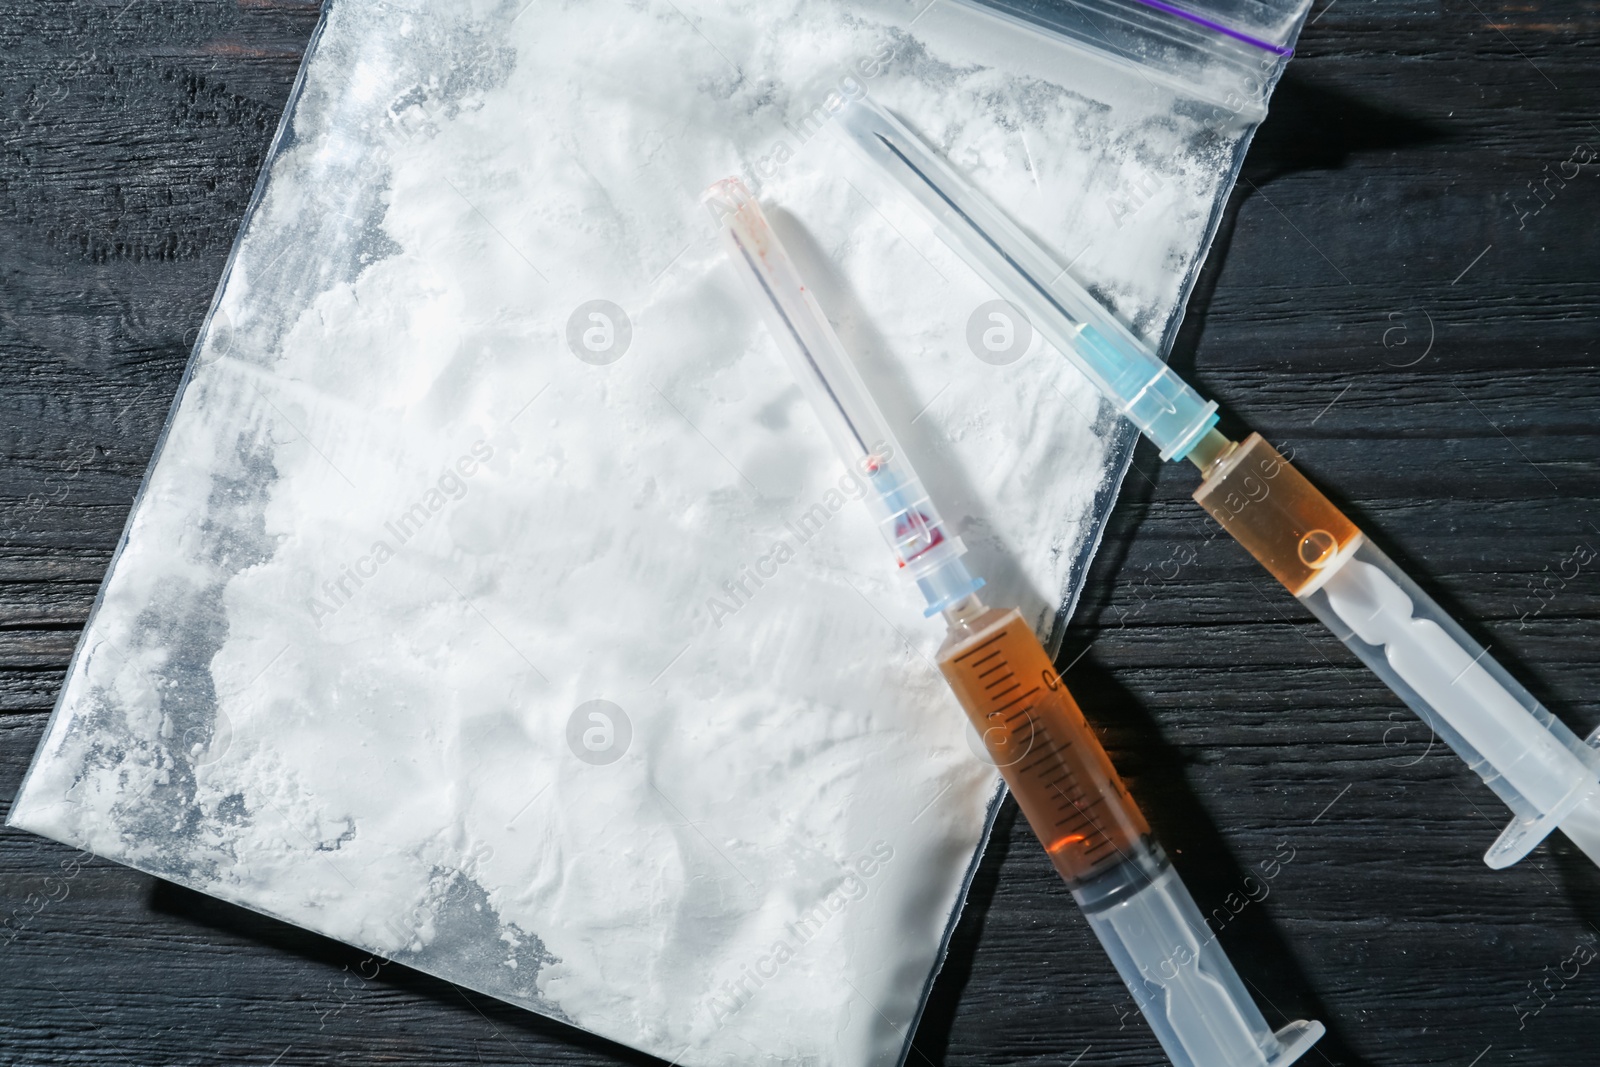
point(493, 602)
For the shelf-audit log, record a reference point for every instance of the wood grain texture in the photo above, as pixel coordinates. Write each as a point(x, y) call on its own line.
point(1450, 400)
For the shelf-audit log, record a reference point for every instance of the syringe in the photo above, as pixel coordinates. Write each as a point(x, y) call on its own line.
point(1065, 785)
point(1533, 762)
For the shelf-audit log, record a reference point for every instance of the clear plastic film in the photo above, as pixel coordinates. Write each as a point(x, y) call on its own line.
point(1226, 52)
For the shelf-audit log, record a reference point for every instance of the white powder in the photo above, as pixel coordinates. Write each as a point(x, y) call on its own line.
point(398, 532)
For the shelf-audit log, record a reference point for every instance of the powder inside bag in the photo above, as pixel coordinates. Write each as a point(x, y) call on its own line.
point(497, 603)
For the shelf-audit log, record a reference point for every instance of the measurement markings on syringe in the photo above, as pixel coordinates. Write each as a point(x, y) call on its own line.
point(1009, 676)
point(1051, 769)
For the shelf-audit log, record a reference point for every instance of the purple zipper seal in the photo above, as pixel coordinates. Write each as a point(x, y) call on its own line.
point(1228, 31)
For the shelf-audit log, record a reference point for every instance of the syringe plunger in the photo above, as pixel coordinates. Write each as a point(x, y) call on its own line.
point(1174, 966)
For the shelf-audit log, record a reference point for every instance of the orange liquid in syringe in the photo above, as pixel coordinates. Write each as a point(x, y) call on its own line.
point(1043, 747)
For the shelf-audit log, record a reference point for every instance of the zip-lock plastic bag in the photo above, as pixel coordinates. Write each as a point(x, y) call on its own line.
point(494, 602)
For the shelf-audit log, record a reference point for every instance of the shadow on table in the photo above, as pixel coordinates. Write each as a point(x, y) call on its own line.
point(1309, 127)
point(1318, 127)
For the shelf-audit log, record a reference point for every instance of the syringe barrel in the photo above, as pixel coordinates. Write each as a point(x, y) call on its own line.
point(1121, 366)
point(1101, 845)
point(1039, 740)
point(1543, 772)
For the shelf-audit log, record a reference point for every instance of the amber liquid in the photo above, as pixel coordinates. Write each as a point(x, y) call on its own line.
point(1275, 513)
point(1043, 747)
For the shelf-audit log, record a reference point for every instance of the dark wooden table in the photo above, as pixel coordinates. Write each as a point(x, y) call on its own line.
point(1390, 295)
